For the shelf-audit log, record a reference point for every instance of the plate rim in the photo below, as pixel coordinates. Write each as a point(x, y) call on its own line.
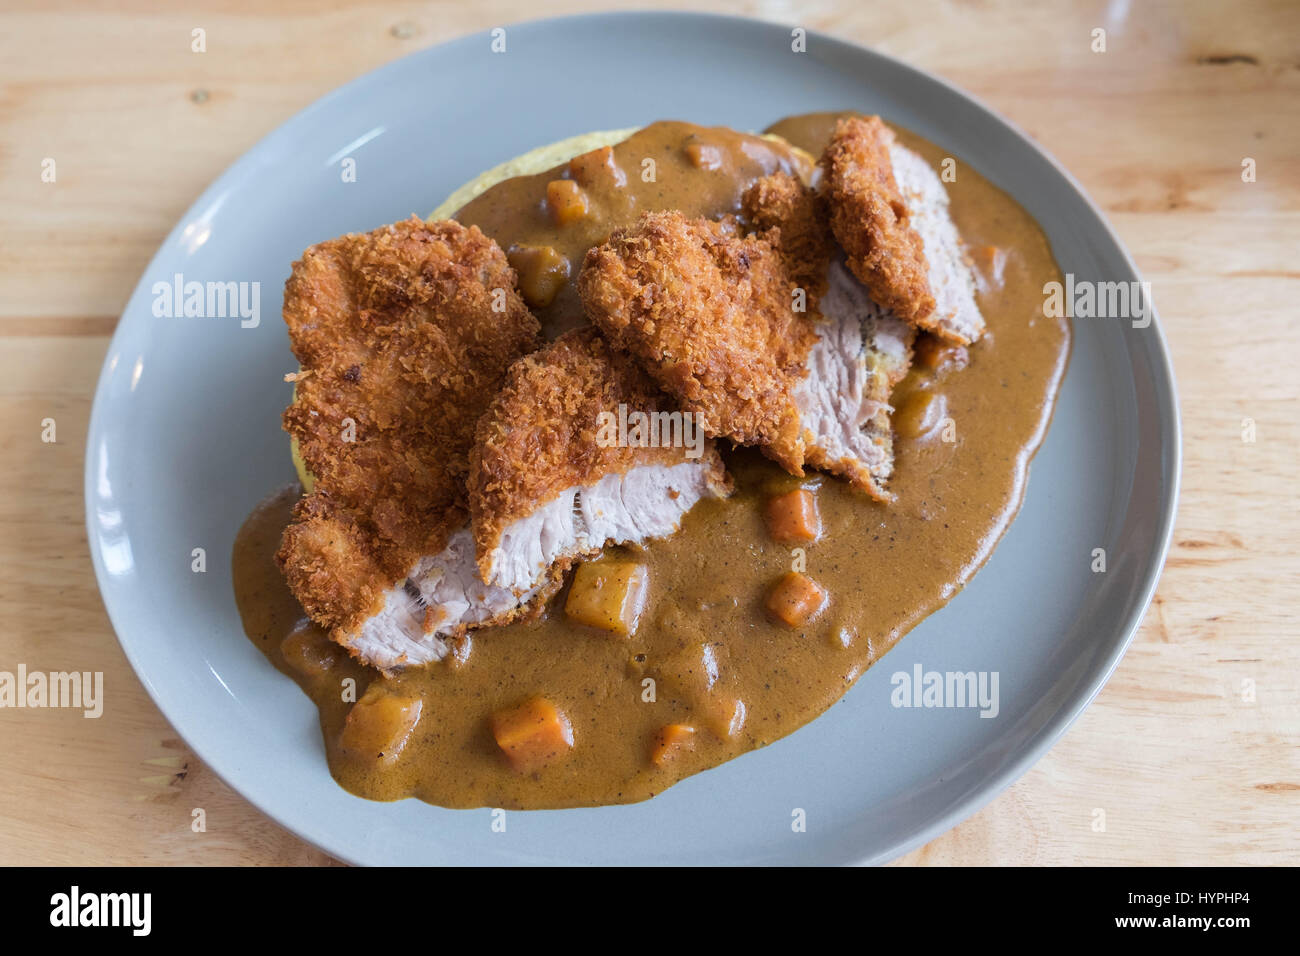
point(1168, 421)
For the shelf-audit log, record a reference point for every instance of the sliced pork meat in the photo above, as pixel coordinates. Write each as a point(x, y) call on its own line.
point(403, 335)
point(956, 316)
point(889, 210)
point(441, 598)
point(862, 352)
point(709, 314)
point(580, 450)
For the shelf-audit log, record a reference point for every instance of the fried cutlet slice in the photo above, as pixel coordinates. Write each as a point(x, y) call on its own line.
point(871, 220)
point(889, 211)
point(404, 335)
point(709, 314)
point(553, 476)
point(862, 350)
point(799, 216)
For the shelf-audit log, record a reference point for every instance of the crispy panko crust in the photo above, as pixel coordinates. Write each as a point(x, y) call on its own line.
point(870, 219)
point(709, 314)
point(539, 436)
point(396, 333)
point(799, 216)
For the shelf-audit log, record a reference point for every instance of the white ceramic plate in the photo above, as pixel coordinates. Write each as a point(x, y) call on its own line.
point(185, 438)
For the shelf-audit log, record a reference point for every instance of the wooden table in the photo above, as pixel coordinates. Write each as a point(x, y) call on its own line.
point(1187, 765)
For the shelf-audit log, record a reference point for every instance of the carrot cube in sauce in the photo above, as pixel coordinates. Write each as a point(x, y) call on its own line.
point(597, 166)
point(566, 201)
point(532, 735)
point(795, 599)
point(380, 723)
point(726, 716)
point(609, 595)
point(792, 518)
point(704, 156)
point(670, 741)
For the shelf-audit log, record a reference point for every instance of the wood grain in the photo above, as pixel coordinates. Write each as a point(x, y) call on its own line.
point(1187, 768)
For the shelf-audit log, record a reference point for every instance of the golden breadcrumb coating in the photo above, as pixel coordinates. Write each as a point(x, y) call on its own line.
point(540, 435)
point(870, 218)
point(709, 314)
point(403, 335)
point(803, 236)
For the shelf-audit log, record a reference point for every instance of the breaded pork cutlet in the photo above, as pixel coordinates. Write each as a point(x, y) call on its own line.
point(709, 313)
point(871, 220)
point(799, 216)
point(889, 211)
point(404, 335)
point(579, 450)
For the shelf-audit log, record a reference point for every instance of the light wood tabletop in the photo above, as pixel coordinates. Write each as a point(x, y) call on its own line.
point(1191, 751)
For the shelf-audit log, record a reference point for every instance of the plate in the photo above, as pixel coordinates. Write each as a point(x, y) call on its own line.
point(185, 439)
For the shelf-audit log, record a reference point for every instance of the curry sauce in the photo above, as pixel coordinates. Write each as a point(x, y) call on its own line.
point(706, 654)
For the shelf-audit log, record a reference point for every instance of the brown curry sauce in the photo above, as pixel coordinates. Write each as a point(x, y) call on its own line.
point(886, 567)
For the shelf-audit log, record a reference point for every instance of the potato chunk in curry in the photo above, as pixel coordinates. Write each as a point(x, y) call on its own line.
point(609, 595)
point(380, 723)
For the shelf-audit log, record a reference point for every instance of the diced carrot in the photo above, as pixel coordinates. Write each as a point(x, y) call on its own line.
point(609, 595)
point(566, 200)
point(597, 166)
point(704, 155)
point(532, 735)
point(792, 517)
point(726, 716)
point(795, 599)
point(380, 723)
point(670, 741)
